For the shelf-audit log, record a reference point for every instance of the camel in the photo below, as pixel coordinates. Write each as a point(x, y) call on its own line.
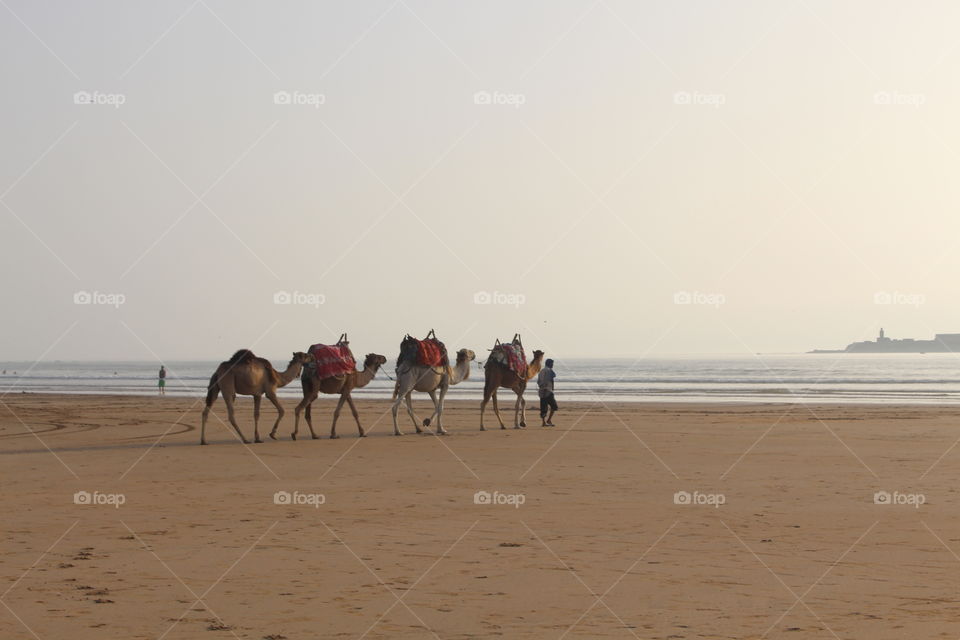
point(313, 386)
point(248, 375)
point(496, 375)
point(412, 377)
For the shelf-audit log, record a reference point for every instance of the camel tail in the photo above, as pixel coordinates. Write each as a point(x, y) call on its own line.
point(213, 389)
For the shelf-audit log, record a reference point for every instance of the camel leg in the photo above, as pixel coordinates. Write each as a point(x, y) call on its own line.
point(496, 410)
point(308, 414)
point(483, 406)
point(356, 416)
point(336, 416)
point(301, 406)
point(408, 400)
point(523, 410)
point(203, 425)
point(272, 397)
point(393, 410)
point(228, 400)
point(433, 415)
point(516, 413)
point(402, 391)
point(489, 391)
point(436, 411)
point(212, 394)
point(443, 393)
point(256, 419)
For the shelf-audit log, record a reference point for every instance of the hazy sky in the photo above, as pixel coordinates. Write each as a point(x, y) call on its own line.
point(792, 166)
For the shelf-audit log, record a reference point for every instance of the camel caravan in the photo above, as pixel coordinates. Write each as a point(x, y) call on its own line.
point(423, 366)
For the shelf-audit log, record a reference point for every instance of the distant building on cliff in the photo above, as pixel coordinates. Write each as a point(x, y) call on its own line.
point(941, 343)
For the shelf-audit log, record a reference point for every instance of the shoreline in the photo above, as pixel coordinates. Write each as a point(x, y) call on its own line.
point(506, 402)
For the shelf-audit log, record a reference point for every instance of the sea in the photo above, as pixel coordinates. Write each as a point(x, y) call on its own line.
point(777, 378)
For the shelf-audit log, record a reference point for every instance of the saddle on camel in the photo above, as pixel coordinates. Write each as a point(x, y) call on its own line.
point(511, 355)
point(332, 361)
point(429, 352)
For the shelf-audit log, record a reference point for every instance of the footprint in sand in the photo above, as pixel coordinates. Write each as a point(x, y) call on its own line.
point(216, 625)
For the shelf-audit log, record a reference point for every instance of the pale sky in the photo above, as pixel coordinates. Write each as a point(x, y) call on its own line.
point(787, 164)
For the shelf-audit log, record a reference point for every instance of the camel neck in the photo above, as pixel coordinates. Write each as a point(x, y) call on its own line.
point(364, 377)
point(293, 370)
point(461, 372)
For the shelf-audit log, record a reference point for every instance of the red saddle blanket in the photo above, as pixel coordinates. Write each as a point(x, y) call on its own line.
point(431, 353)
point(512, 356)
point(332, 360)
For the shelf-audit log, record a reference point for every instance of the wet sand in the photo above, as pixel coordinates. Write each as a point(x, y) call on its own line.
point(587, 540)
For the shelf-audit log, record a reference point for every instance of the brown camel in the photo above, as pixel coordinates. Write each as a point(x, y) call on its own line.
point(248, 375)
point(344, 385)
point(496, 375)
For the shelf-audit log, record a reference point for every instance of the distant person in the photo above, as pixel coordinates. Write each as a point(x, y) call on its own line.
point(545, 390)
point(162, 381)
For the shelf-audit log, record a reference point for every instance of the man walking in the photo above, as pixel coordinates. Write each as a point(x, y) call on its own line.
point(545, 390)
point(162, 381)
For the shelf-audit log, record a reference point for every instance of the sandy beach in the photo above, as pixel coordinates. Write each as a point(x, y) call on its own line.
point(383, 536)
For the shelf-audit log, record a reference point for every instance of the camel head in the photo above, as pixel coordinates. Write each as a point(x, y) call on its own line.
point(374, 361)
point(535, 365)
point(465, 355)
point(299, 357)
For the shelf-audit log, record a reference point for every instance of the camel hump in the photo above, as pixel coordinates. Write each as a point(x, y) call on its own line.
point(247, 357)
point(241, 356)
